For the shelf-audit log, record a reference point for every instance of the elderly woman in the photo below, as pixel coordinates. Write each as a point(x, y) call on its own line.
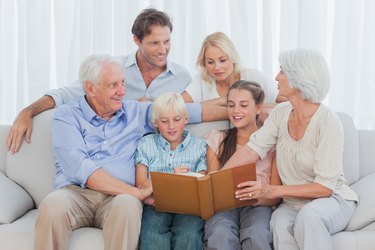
point(317, 201)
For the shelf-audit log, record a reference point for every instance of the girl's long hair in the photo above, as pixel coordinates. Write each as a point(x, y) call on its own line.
point(229, 144)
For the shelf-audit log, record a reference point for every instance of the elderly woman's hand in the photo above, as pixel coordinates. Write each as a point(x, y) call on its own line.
point(254, 190)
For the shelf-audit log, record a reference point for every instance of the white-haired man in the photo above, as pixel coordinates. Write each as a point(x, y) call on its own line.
point(94, 141)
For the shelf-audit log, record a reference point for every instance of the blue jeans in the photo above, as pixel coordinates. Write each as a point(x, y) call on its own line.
point(239, 228)
point(170, 231)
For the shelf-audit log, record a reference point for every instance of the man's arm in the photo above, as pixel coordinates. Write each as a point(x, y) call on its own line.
point(22, 126)
point(213, 110)
point(103, 182)
point(72, 153)
point(187, 97)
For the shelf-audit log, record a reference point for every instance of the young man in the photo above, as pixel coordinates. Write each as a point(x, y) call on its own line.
point(148, 72)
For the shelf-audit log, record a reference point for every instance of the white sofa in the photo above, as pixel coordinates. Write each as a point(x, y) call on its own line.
point(27, 177)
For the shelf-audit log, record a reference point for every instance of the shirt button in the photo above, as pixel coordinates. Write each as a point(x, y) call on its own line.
point(170, 155)
point(169, 164)
point(105, 142)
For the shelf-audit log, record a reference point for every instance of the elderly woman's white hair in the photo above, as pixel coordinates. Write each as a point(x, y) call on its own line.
point(168, 102)
point(307, 71)
point(91, 67)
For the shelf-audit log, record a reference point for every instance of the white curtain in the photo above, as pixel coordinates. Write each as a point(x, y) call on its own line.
point(42, 42)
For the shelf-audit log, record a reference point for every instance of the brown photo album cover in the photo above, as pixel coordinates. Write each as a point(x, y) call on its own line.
point(201, 195)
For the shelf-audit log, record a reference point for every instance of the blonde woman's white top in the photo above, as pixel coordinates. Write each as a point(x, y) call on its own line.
point(200, 90)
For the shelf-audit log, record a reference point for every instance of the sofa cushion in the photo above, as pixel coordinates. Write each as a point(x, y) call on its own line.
point(14, 200)
point(33, 166)
point(364, 214)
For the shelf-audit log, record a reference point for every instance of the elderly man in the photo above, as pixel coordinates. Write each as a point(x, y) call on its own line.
point(94, 140)
point(147, 70)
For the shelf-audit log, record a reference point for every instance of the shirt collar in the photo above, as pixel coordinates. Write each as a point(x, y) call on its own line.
point(132, 60)
point(185, 141)
point(89, 114)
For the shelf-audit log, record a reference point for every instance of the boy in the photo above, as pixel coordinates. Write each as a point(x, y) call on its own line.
point(173, 150)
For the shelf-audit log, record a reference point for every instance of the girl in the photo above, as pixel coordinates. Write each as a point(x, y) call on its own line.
point(246, 227)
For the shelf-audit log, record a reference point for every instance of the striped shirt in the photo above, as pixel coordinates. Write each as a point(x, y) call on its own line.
point(154, 152)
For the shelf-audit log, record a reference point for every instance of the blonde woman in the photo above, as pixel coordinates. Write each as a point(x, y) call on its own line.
point(219, 67)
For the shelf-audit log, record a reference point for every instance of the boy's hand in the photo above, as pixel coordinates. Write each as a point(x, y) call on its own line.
point(149, 200)
point(181, 169)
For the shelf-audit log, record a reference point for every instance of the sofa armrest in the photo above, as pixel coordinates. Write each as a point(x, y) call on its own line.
point(14, 200)
point(364, 214)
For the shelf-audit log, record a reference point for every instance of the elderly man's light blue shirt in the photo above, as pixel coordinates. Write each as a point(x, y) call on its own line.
point(174, 79)
point(84, 142)
point(155, 153)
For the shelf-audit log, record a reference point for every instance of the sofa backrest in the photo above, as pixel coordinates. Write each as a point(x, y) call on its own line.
point(351, 148)
point(201, 131)
point(4, 130)
point(366, 152)
point(33, 166)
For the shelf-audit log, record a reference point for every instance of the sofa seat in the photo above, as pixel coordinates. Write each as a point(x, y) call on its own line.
point(20, 235)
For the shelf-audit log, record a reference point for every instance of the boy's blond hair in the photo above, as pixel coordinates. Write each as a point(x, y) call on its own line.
point(167, 102)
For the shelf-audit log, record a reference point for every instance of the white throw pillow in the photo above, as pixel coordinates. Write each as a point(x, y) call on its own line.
point(14, 200)
point(364, 213)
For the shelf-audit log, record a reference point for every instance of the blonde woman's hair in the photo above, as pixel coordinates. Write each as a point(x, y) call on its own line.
point(221, 41)
point(168, 102)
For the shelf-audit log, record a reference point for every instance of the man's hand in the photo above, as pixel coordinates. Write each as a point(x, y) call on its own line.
point(21, 127)
point(23, 124)
point(144, 192)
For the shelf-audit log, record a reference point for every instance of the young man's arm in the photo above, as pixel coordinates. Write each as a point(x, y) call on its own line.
point(22, 126)
point(213, 112)
point(205, 112)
